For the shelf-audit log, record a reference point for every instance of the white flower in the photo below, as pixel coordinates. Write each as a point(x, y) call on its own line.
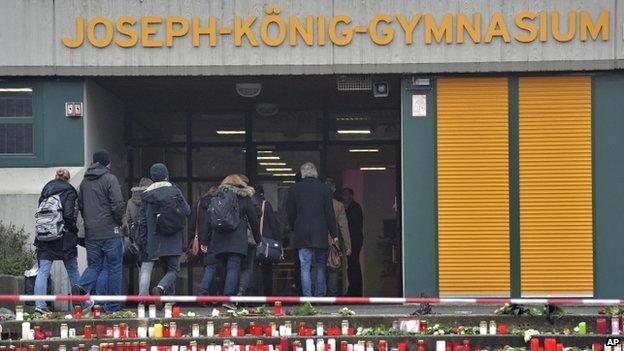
point(191, 314)
point(437, 326)
point(215, 312)
point(528, 334)
point(68, 316)
point(441, 331)
point(436, 332)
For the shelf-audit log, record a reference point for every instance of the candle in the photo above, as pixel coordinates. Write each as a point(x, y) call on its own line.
point(382, 345)
point(97, 311)
point(277, 308)
point(172, 329)
point(88, 331)
point(168, 310)
point(493, 328)
point(597, 346)
point(283, 344)
point(152, 311)
point(421, 346)
point(141, 310)
point(319, 329)
point(550, 344)
point(559, 347)
point(310, 345)
point(77, 312)
point(234, 329)
point(483, 328)
point(64, 331)
point(25, 330)
point(345, 327)
point(320, 345)
point(601, 326)
point(440, 345)
point(210, 329)
point(344, 346)
point(176, 311)
point(72, 332)
point(116, 333)
point(535, 344)
point(615, 325)
point(502, 328)
point(582, 327)
point(19, 313)
point(195, 330)
point(158, 330)
point(332, 344)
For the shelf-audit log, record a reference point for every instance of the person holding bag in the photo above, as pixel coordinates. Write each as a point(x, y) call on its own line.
point(203, 234)
point(270, 249)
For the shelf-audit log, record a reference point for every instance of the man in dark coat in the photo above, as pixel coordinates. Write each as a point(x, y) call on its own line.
point(356, 224)
point(63, 249)
point(155, 245)
point(311, 215)
point(102, 207)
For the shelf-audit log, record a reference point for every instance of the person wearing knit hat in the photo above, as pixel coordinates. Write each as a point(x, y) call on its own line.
point(102, 157)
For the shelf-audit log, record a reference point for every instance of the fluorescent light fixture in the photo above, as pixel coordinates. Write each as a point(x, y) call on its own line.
point(230, 132)
point(15, 90)
point(288, 182)
point(272, 163)
point(372, 168)
point(351, 119)
point(265, 151)
point(268, 158)
point(353, 131)
point(363, 150)
point(284, 169)
point(284, 174)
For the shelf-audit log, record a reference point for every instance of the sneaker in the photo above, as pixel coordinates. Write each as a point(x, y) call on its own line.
point(75, 290)
point(43, 310)
point(156, 291)
point(87, 305)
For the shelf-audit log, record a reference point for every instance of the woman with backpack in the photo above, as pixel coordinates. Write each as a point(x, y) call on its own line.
point(162, 217)
point(269, 228)
point(230, 213)
point(57, 196)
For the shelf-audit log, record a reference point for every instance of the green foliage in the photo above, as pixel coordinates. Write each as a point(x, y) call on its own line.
point(617, 310)
point(15, 256)
point(123, 314)
point(305, 310)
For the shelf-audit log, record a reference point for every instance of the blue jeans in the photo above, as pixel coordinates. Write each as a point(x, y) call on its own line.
point(320, 258)
point(41, 282)
point(101, 285)
point(232, 263)
point(99, 253)
point(208, 279)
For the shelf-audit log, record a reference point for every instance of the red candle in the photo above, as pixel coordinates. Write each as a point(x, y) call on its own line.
point(550, 344)
point(277, 308)
point(344, 346)
point(459, 348)
point(241, 331)
point(100, 331)
point(502, 328)
point(559, 347)
point(535, 344)
point(601, 326)
point(88, 331)
point(166, 332)
point(175, 312)
point(268, 331)
point(351, 331)
point(77, 312)
point(132, 333)
point(178, 332)
point(597, 347)
point(283, 345)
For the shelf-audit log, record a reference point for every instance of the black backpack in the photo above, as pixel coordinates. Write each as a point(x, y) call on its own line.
point(224, 211)
point(169, 217)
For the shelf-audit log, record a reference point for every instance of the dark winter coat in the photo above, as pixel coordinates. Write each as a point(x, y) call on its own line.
point(131, 217)
point(101, 203)
point(270, 224)
point(356, 224)
point(152, 244)
point(65, 247)
point(311, 214)
point(236, 241)
point(203, 229)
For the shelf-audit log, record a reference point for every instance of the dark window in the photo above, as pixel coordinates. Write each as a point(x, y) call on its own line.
point(16, 121)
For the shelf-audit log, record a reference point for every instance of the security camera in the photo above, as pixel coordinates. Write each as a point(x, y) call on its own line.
point(381, 89)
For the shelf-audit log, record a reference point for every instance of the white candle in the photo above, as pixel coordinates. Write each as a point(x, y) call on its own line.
point(175, 347)
point(154, 348)
point(299, 348)
point(150, 332)
point(310, 345)
point(320, 345)
point(217, 348)
point(282, 330)
point(141, 311)
point(332, 344)
point(152, 311)
point(349, 347)
point(142, 332)
point(440, 345)
point(210, 329)
point(25, 330)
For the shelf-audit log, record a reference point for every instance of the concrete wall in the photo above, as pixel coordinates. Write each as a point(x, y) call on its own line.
point(32, 32)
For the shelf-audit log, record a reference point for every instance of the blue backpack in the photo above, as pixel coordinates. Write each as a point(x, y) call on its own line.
point(224, 211)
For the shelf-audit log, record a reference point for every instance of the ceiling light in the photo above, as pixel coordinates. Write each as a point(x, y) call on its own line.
point(353, 131)
point(230, 132)
point(268, 158)
point(284, 174)
point(265, 151)
point(363, 150)
point(284, 169)
point(372, 168)
point(15, 90)
point(288, 182)
point(351, 119)
point(272, 163)
point(248, 90)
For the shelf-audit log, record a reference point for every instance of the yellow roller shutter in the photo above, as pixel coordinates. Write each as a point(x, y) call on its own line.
point(473, 186)
point(556, 234)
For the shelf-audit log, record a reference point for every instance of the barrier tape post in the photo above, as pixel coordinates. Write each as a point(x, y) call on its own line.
point(316, 300)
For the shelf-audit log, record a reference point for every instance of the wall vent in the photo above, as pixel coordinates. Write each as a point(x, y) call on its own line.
point(354, 83)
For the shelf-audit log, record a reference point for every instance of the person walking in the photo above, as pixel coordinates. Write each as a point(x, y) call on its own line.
point(63, 195)
point(311, 215)
point(356, 224)
point(231, 214)
point(345, 245)
point(101, 205)
point(209, 260)
point(269, 229)
point(162, 217)
point(131, 220)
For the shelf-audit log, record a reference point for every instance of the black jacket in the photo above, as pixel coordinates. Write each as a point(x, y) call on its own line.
point(154, 245)
point(101, 203)
point(236, 241)
point(203, 229)
point(270, 224)
point(311, 214)
point(356, 223)
point(64, 248)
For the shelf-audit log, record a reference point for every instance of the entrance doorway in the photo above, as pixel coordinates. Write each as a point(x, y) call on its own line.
point(204, 130)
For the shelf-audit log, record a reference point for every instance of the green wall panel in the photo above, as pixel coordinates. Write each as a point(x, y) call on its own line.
point(58, 140)
point(419, 194)
point(608, 159)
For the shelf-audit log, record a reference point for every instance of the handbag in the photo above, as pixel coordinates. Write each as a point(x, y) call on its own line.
point(193, 249)
point(269, 250)
point(334, 256)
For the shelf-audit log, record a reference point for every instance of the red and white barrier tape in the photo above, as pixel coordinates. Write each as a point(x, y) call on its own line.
point(316, 300)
